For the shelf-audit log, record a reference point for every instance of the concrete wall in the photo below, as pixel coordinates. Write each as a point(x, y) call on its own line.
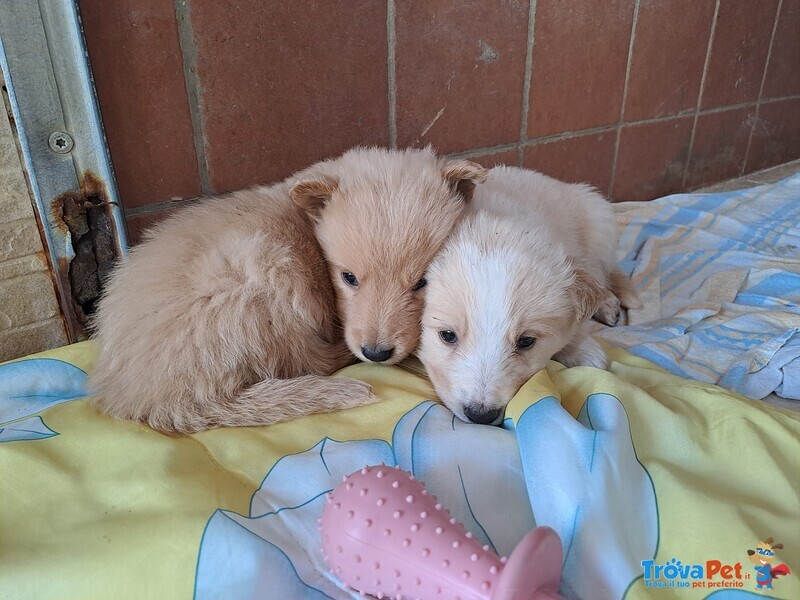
point(30, 318)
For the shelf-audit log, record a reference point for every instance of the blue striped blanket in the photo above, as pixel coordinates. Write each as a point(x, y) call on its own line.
point(719, 275)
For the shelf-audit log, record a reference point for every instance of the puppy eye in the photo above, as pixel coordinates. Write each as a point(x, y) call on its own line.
point(420, 284)
point(349, 279)
point(525, 342)
point(448, 337)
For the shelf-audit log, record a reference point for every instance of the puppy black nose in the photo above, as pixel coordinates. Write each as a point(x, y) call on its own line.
point(481, 415)
point(376, 354)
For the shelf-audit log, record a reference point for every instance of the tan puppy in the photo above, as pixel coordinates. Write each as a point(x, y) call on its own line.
point(227, 314)
point(512, 288)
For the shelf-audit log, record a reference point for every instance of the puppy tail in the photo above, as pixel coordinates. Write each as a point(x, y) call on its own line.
point(267, 402)
point(275, 400)
point(623, 289)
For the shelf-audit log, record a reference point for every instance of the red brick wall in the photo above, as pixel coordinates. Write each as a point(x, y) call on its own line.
point(639, 97)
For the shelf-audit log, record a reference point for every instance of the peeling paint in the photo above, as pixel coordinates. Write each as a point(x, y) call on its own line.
point(486, 53)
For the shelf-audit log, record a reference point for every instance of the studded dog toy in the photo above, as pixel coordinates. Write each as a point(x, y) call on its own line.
point(383, 534)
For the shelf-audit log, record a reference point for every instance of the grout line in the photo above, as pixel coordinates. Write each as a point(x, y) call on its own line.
point(593, 131)
point(754, 124)
point(727, 107)
point(159, 206)
point(526, 87)
point(607, 128)
point(719, 109)
point(779, 99)
point(568, 135)
point(44, 271)
point(192, 81)
point(709, 47)
point(45, 266)
point(20, 220)
point(20, 328)
point(391, 44)
point(634, 22)
point(521, 145)
point(485, 150)
point(170, 204)
point(678, 115)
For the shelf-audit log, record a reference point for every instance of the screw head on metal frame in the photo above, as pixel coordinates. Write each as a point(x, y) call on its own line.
point(61, 142)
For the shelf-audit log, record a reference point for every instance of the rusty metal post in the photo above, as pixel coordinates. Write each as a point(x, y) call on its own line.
point(57, 120)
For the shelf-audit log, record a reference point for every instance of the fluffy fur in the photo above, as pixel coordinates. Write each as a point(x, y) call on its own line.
point(533, 258)
point(227, 313)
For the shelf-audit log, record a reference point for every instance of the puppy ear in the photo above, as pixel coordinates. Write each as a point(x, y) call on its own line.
point(463, 175)
point(587, 292)
point(312, 193)
point(777, 546)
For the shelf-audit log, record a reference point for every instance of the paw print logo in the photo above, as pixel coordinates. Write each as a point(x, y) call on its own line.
point(672, 568)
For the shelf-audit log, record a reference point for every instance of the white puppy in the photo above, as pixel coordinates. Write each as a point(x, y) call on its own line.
point(514, 286)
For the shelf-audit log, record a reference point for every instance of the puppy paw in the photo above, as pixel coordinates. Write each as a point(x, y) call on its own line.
point(609, 311)
point(584, 353)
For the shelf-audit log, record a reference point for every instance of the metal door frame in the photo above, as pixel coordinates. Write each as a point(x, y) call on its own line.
point(56, 118)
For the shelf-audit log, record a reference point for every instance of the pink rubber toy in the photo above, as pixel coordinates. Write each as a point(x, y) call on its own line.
point(383, 534)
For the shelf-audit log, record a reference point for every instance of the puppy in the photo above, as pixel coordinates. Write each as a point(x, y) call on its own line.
point(513, 287)
point(235, 311)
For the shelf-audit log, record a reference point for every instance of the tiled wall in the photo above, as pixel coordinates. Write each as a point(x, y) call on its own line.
point(639, 97)
point(30, 318)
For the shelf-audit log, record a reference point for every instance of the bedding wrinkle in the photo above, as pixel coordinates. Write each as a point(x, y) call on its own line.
point(722, 298)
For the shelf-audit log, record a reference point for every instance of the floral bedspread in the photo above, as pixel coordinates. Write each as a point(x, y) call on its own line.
point(645, 476)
